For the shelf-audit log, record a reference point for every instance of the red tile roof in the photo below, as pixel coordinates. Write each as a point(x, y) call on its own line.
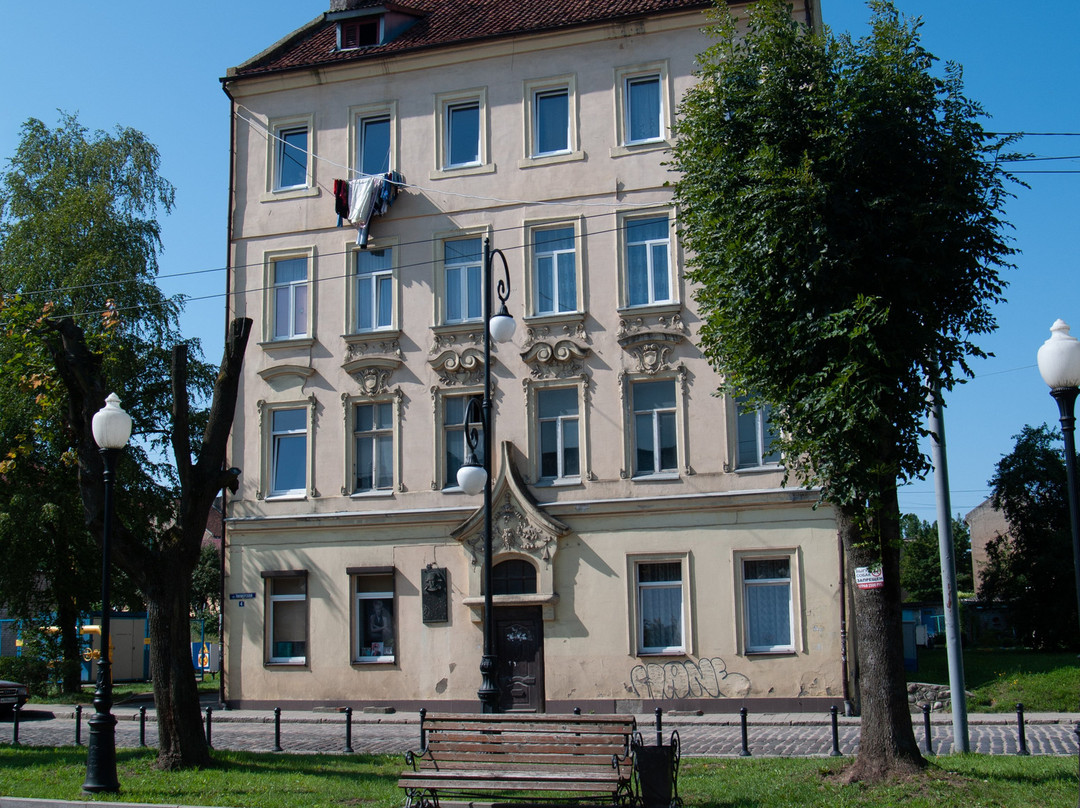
point(451, 22)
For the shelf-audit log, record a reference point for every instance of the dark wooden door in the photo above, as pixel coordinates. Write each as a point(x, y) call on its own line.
point(519, 644)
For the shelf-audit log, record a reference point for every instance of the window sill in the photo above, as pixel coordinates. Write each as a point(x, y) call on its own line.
point(551, 159)
point(676, 652)
point(767, 469)
point(638, 148)
point(355, 337)
point(381, 660)
point(290, 193)
point(562, 482)
point(661, 477)
point(554, 318)
point(773, 652)
point(290, 342)
point(285, 498)
point(666, 307)
point(286, 663)
point(380, 494)
point(461, 171)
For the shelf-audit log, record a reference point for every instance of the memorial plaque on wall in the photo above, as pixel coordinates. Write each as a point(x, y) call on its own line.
point(434, 595)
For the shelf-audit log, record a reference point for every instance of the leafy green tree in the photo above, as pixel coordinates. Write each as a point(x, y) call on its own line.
point(1030, 569)
point(840, 204)
point(82, 318)
point(920, 558)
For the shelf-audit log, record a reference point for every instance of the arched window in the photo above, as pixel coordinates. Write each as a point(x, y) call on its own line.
point(513, 577)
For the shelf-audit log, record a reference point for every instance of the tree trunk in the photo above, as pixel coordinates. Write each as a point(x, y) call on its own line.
point(181, 737)
point(887, 743)
point(67, 618)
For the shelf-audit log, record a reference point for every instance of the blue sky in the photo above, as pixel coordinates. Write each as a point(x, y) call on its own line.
point(155, 67)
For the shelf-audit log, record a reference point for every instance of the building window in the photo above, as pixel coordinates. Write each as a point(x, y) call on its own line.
point(655, 436)
point(287, 630)
point(290, 297)
point(354, 34)
point(454, 437)
point(768, 605)
point(554, 270)
point(660, 607)
point(514, 576)
point(551, 121)
point(643, 108)
point(288, 452)
point(373, 434)
point(374, 148)
point(648, 266)
point(291, 161)
point(463, 134)
point(754, 436)
point(374, 616)
point(557, 410)
point(374, 289)
point(463, 267)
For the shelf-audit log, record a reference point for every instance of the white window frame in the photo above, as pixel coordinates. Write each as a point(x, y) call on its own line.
point(360, 597)
point(637, 612)
point(275, 151)
point(442, 300)
point(270, 260)
point(742, 606)
point(561, 478)
point(444, 103)
point(272, 599)
point(532, 91)
point(656, 423)
point(532, 292)
point(627, 220)
point(350, 403)
point(266, 412)
point(388, 273)
point(762, 437)
point(678, 376)
point(358, 116)
point(445, 432)
point(624, 77)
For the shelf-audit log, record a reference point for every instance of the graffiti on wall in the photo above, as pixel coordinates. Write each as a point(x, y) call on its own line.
point(688, 679)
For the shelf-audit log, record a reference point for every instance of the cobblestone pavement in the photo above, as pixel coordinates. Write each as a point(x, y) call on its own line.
point(791, 735)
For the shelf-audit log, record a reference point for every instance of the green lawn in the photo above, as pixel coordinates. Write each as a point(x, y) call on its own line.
point(1000, 678)
point(339, 781)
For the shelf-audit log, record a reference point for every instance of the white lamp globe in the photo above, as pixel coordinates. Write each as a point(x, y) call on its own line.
point(501, 326)
point(1059, 358)
point(472, 478)
point(111, 425)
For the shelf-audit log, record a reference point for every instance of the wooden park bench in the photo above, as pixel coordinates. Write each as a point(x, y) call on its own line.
point(522, 757)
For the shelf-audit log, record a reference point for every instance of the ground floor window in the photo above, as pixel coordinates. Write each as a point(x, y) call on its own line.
point(287, 623)
point(373, 615)
point(768, 605)
point(660, 607)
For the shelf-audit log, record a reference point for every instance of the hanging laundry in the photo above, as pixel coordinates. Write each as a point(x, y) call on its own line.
point(363, 198)
point(341, 200)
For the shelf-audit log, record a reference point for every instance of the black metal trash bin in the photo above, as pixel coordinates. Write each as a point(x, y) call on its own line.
point(656, 769)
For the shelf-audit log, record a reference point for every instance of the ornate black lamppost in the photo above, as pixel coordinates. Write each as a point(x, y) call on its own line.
point(1059, 364)
point(112, 428)
point(474, 477)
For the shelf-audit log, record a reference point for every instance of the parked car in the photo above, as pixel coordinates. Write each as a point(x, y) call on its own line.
point(12, 694)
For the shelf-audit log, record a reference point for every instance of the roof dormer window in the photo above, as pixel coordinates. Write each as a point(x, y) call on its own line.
point(358, 33)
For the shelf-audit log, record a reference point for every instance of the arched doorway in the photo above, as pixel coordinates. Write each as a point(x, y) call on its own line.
point(519, 639)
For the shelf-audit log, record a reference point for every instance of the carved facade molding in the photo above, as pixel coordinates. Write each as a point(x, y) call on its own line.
point(459, 367)
point(645, 328)
point(553, 333)
point(555, 359)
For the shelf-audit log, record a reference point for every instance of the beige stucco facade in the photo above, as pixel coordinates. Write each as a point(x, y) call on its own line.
point(602, 535)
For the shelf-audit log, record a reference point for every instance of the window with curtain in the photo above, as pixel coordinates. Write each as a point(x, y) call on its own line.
point(655, 449)
point(754, 435)
point(463, 265)
point(551, 121)
point(648, 271)
point(374, 289)
point(767, 605)
point(559, 444)
point(462, 134)
point(374, 446)
point(660, 607)
point(643, 108)
point(554, 268)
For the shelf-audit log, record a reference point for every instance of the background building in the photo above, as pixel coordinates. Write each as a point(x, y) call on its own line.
point(646, 553)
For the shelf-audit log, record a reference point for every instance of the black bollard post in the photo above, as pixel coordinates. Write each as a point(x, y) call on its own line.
point(745, 748)
point(1023, 750)
point(277, 730)
point(209, 737)
point(928, 742)
point(423, 731)
point(15, 725)
point(835, 734)
point(78, 725)
point(142, 725)
point(348, 730)
point(659, 727)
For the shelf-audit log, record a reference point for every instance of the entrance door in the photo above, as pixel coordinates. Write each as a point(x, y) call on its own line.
point(519, 644)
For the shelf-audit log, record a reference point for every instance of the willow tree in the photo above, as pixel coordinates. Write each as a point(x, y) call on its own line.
point(842, 208)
